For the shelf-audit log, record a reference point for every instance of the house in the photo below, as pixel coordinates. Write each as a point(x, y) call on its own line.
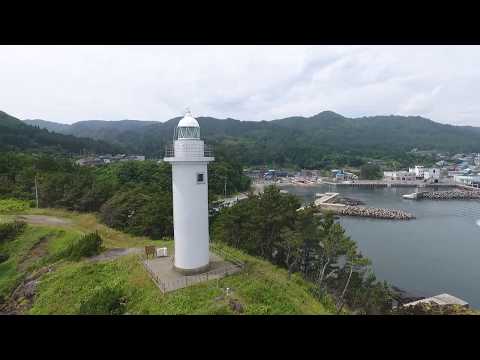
point(341, 175)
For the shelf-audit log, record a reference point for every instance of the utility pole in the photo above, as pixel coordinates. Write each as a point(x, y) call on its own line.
point(36, 190)
point(225, 189)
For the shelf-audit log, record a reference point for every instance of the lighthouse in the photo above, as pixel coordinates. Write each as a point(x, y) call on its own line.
point(189, 157)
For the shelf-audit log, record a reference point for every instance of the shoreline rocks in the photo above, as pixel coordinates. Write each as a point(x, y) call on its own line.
point(378, 213)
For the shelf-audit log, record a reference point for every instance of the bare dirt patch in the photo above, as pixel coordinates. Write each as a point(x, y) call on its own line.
point(39, 250)
point(23, 296)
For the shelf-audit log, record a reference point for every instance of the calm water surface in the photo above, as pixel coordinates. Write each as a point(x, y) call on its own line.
point(438, 252)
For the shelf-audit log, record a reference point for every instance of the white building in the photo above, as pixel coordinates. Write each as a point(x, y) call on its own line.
point(418, 170)
point(402, 176)
point(432, 174)
point(476, 160)
point(189, 157)
point(471, 180)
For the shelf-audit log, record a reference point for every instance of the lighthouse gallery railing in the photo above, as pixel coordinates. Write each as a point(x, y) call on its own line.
point(192, 150)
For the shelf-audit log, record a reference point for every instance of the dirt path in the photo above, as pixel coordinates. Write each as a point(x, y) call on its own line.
point(109, 254)
point(38, 251)
point(114, 253)
point(43, 220)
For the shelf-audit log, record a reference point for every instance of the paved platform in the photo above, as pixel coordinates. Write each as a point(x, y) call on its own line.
point(162, 272)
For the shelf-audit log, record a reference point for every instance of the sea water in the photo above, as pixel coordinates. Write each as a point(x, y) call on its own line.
point(438, 252)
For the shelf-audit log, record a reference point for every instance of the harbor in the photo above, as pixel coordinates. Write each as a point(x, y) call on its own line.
point(435, 253)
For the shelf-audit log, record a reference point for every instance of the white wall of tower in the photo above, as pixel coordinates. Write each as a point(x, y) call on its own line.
point(190, 215)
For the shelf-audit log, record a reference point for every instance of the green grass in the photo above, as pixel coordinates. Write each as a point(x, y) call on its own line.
point(262, 287)
point(13, 206)
point(87, 223)
point(22, 257)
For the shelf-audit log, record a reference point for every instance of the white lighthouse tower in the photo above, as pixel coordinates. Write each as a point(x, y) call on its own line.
point(189, 157)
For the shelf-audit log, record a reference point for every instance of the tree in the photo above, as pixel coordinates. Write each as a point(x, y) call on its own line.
point(355, 262)
point(291, 244)
point(370, 172)
point(333, 243)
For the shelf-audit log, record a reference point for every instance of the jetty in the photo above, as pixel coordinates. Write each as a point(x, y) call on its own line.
point(378, 213)
point(325, 202)
point(444, 195)
point(442, 299)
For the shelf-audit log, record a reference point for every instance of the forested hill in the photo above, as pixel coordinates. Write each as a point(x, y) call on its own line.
point(16, 135)
point(304, 141)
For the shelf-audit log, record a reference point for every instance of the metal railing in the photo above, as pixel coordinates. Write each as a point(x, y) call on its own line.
point(236, 266)
point(190, 150)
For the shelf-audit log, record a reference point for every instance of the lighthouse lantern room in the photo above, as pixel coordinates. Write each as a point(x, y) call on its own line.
point(189, 157)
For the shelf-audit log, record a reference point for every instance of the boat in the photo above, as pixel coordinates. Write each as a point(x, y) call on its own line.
point(412, 196)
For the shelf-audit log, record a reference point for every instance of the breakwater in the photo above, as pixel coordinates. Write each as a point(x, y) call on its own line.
point(450, 195)
point(378, 213)
point(349, 201)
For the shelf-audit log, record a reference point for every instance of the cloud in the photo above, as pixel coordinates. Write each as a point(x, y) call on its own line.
point(72, 83)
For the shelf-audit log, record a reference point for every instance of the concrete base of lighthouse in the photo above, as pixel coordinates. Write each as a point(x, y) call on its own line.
point(195, 271)
point(169, 279)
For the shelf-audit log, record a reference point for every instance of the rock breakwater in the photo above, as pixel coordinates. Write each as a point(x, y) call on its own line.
point(378, 213)
point(451, 195)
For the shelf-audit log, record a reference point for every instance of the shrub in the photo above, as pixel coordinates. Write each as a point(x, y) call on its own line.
point(87, 245)
point(3, 258)
point(9, 231)
point(140, 212)
point(105, 301)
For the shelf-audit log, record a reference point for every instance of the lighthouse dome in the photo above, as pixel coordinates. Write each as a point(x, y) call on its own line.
point(188, 127)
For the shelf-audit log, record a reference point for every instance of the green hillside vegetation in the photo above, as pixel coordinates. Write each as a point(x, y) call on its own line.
point(134, 197)
point(122, 286)
point(312, 244)
point(16, 135)
point(324, 140)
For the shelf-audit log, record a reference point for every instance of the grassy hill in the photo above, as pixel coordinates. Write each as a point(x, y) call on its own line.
point(16, 135)
point(305, 141)
point(262, 288)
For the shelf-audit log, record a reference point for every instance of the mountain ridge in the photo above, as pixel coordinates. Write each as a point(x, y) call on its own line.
point(17, 135)
point(305, 141)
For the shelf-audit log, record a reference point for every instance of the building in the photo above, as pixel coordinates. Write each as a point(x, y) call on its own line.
point(402, 176)
point(341, 175)
point(476, 160)
point(470, 180)
point(189, 157)
point(107, 159)
point(432, 174)
point(89, 161)
point(418, 170)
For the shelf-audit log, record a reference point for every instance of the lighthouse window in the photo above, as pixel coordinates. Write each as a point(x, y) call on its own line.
point(200, 178)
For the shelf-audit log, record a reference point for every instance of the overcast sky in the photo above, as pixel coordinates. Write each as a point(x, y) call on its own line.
point(71, 83)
